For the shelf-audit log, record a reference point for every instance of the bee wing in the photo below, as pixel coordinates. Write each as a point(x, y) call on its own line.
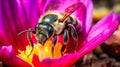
point(69, 10)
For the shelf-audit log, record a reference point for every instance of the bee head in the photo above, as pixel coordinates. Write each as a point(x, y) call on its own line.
point(44, 31)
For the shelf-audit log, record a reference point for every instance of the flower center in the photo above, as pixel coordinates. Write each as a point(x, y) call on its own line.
point(41, 51)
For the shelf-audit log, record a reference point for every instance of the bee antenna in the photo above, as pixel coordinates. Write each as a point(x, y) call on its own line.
point(24, 31)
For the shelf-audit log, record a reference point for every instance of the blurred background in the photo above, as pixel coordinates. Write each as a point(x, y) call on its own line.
point(104, 7)
point(108, 54)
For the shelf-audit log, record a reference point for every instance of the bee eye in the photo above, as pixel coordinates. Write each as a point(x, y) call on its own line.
point(50, 18)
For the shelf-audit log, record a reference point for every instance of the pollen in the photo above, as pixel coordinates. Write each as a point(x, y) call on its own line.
point(41, 51)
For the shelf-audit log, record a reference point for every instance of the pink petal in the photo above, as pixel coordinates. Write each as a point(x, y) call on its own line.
point(12, 24)
point(64, 4)
point(59, 5)
point(16, 16)
point(8, 57)
point(35, 61)
point(32, 9)
point(119, 17)
point(99, 33)
point(65, 61)
point(2, 41)
point(84, 14)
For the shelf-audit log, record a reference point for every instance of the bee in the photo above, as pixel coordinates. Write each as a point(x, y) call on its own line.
point(53, 24)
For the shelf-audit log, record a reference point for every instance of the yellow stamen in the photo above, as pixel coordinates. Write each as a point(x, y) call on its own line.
point(41, 51)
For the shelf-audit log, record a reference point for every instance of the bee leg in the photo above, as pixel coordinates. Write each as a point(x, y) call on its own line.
point(66, 39)
point(30, 40)
point(29, 36)
point(53, 44)
point(74, 35)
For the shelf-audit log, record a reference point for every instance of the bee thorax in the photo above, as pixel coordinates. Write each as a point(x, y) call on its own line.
point(59, 28)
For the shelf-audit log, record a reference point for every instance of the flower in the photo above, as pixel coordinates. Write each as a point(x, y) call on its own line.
point(18, 15)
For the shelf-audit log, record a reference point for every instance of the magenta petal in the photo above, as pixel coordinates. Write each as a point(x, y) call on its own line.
point(99, 33)
point(65, 61)
point(59, 5)
point(12, 22)
point(35, 61)
point(32, 9)
point(8, 57)
point(119, 17)
point(16, 16)
point(65, 3)
point(84, 14)
point(2, 40)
